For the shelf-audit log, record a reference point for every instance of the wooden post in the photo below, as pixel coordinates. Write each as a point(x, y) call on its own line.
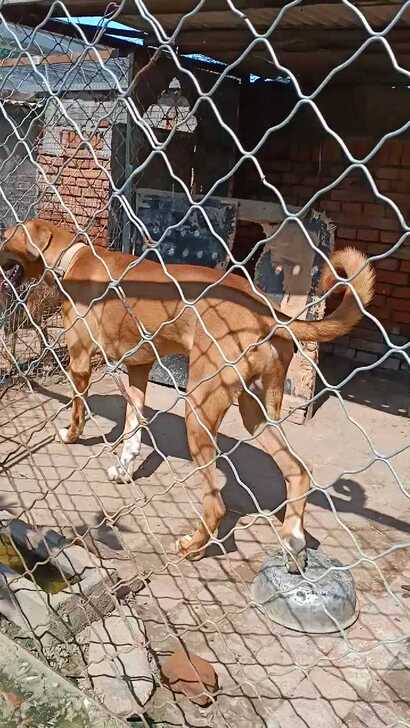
point(148, 76)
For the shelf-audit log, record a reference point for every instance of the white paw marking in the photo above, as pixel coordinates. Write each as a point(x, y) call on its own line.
point(63, 435)
point(183, 542)
point(117, 474)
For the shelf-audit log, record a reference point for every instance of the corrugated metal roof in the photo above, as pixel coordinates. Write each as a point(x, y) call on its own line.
point(37, 41)
point(325, 15)
point(217, 14)
point(310, 38)
point(65, 77)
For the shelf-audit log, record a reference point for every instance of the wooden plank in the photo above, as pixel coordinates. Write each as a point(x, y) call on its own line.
point(300, 17)
point(55, 58)
point(291, 40)
point(314, 67)
point(249, 210)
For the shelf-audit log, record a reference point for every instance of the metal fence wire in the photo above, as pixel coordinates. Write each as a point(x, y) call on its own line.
point(171, 177)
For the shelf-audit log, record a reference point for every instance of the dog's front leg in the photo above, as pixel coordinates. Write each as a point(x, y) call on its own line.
point(79, 374)
point(134, 393)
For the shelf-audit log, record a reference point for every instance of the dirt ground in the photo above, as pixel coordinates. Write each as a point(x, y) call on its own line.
point(359, 513)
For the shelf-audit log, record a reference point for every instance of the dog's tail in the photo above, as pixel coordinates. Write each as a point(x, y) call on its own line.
point(348, 313)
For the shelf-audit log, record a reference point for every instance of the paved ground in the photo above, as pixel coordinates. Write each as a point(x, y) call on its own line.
point(270, 676)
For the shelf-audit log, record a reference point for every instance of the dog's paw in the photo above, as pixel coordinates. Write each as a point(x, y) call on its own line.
point(63, 435)
point(118, 474)
point(187, 548)
point(296, 562)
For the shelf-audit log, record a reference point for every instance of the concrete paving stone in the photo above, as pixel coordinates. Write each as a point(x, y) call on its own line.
point(396, 677)
point(303, 713)
point(331, 685)
point(23, 603)
point(366, 714)
point(358, 679)
point(315, 713)
point(343, 708)
point(118, 663)
point(213, 615)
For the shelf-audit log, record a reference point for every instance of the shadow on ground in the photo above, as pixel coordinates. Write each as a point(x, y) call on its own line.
point(265, 488)
point(377, 388)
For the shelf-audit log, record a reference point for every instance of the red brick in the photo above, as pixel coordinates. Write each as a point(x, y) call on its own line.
point(91, 173)
point(291, 179)
point(353, 194)
point(395, 149)
point(330, 205)
point(352, 208)
point(388, 237)
point(384, 185)
point(361, 332)
point(380, 223)
point(381, 312)
point(348, 233)
point(280, 166)
point(361, 246)
point(400, 186)
point(317, 182)
point(395, 277)
point(359, 148)
point(387, 172)
point(379, 301)
point(401, 199)
point(400, 304)
point(401, 291)
point(405, 158)
point(386, 289)
point(401, 317)
point(302, 191)
point(373, 209)
point(405, 266)
point(368, 235)
point(387, 264)
point(403, 173)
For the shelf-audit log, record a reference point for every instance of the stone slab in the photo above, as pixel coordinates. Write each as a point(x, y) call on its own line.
point(118, 663)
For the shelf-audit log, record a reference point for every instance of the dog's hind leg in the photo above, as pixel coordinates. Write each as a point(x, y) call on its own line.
point(297, 479)
point(209, 398)
point(134, 392)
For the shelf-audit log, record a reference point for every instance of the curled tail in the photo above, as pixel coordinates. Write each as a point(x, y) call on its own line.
point(348, 314)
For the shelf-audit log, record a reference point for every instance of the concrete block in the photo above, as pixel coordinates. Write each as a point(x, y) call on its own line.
point(366, 357)
point(391, 364)
point(345, 351)
point(22, 603)
point(118, 663)
point(55, 617)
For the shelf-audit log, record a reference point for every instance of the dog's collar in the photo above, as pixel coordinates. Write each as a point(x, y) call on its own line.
point(67, 258)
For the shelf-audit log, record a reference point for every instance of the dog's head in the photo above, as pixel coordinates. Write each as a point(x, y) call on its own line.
point(25, 251)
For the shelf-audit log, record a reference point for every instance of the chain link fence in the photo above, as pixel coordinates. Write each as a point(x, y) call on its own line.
point(164, 171)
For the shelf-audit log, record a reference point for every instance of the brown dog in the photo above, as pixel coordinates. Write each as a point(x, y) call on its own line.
point(235, 348)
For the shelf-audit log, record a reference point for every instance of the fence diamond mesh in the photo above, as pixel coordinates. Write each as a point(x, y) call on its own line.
point(205, 277)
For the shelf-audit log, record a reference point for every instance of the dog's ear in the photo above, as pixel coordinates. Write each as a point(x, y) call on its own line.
point(38, 237)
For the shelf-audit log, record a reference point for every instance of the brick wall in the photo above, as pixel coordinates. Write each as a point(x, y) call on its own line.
point(299, 169)
point(83, 186)
point(69, 164)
